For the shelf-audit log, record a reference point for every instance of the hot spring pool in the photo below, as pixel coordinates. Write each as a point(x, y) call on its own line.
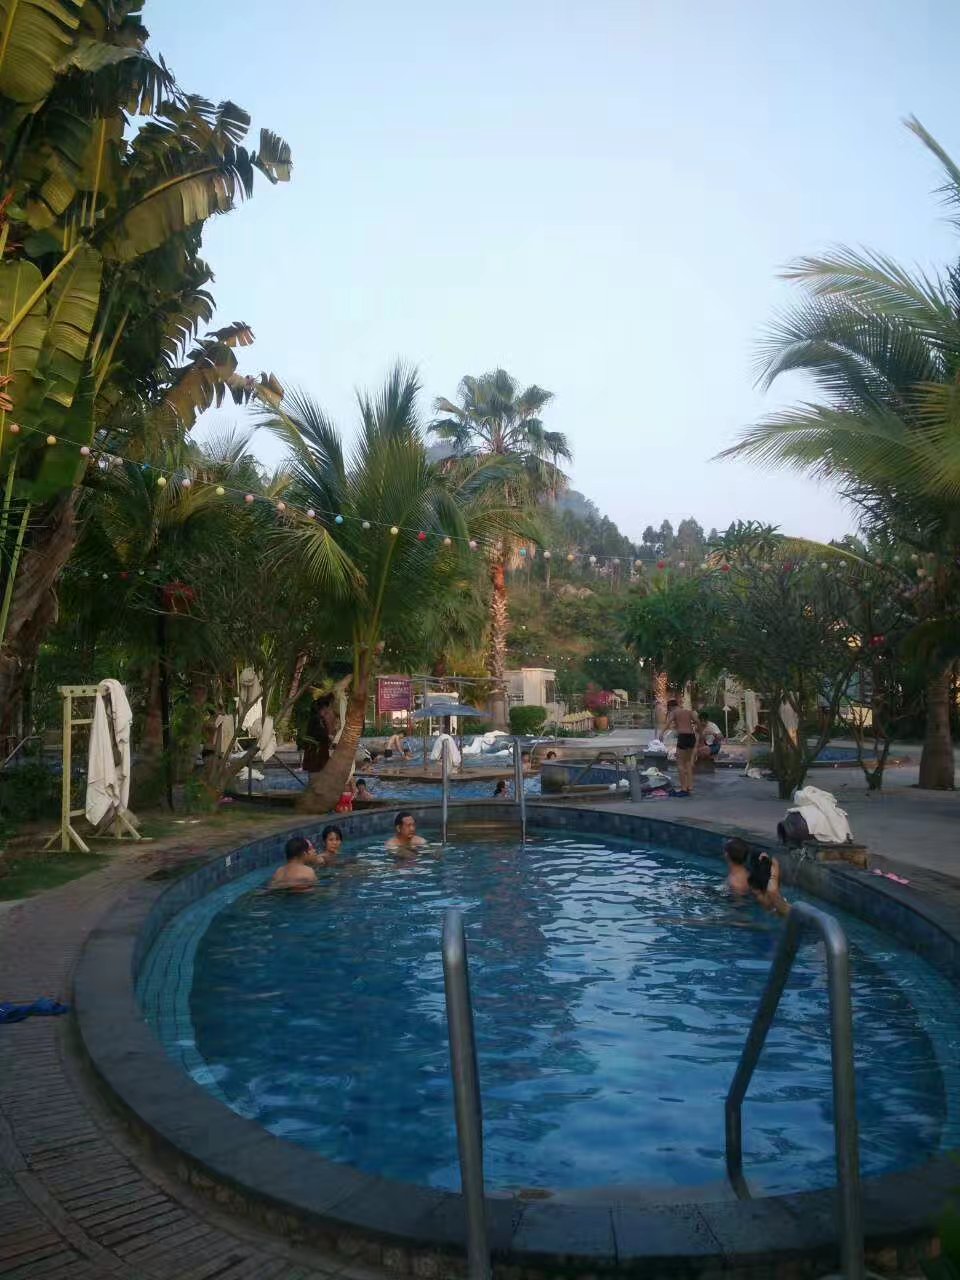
point(393, 786)
point(613, 988)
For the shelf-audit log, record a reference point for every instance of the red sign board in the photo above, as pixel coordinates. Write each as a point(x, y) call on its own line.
point(394, 693)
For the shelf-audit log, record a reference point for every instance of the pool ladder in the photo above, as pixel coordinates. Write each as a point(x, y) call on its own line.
point(469, 1115)
point(517, 786)
point(846, 1140)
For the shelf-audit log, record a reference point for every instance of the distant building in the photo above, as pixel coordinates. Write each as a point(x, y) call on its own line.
point(535, 687)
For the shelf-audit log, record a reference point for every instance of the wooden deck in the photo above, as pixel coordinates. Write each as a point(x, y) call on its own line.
point(79, 1200)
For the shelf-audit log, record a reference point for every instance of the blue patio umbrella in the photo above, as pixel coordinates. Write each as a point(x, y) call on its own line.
point(440, 711)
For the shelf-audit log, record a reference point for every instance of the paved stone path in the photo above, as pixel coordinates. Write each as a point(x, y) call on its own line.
point(78, 1199)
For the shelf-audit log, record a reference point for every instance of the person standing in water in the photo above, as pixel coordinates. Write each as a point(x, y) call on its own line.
point(297, 873)
point(687, 726)
point(405, 842)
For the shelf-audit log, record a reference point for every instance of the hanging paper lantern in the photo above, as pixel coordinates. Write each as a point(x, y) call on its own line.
point(570, 558)
point(310, 513)
point(140, 573)
point(161, 481)
point(365, 525)
point(14, 428)
point(638, 564)
point(84, 451)
point(593, 559)
point(421, 536)
point(724, 568)
point(681, 565)
point(186, 482)
point(661, 564)
point(51, 439)
point(248, 497)
point(448, 542)
point(472, 544)
point(281, 507)
point(824, 565)
point(104, 576)
point(220, 491)
point(338, 519)
point(394, 530)
point(546, 555)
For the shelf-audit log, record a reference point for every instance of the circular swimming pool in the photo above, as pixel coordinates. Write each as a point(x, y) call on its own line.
point(613, 983)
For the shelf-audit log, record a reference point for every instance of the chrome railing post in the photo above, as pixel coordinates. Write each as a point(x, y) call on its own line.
point(846, 1132)
point(444, 789)
point(466, 1091)
point(521, 795)
point(847, 1142)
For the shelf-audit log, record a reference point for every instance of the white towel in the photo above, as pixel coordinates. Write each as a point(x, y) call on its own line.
point(108, 779)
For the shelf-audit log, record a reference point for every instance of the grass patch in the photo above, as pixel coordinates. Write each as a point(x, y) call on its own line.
point(24, 876)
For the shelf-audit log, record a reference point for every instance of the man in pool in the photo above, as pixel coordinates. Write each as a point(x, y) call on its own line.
point(297, 873)
point(758, 876)
point(736, 854)
point(405, 843)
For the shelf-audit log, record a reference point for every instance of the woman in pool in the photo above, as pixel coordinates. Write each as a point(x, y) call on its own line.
point(331, 841)
point(500, 791)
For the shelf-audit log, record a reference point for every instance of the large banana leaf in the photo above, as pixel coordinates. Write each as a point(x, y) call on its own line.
point(18, 359)
point(62, 465)
point(74, 300)
point(177, 202)
point(35, 37)
point(53, 164)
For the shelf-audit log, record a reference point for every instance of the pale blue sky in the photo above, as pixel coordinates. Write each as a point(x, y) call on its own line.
point(596, 196)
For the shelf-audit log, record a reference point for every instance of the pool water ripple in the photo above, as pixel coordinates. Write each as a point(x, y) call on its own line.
point(613, 989)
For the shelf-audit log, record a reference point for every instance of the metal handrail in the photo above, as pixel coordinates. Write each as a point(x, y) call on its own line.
point(444, 789)
point(466, 1091)
point(846, 1138)
point(518, 788)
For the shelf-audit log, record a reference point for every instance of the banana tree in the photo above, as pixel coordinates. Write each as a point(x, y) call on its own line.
point(101, 282)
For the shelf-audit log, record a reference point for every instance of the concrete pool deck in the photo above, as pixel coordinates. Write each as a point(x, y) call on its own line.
point(80, 1198)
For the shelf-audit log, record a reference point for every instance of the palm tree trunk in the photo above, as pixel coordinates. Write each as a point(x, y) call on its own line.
point(33, 604)
point(936, 761)
point(326, 787)
point(499, 622)
point(660, 689)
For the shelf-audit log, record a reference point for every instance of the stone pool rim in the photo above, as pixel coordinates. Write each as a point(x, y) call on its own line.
point(380, 1219)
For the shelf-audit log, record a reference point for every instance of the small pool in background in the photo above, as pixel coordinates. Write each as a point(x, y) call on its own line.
point(613, 987)
point(394, 787)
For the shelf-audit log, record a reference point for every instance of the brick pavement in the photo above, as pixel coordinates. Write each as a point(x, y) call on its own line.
point(78, 1199)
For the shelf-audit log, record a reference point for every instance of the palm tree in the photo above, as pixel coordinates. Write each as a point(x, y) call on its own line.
point(388, 537)
point(882, 345)
point(494, 418)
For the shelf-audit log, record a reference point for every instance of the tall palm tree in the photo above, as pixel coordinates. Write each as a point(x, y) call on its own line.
point(494, 418)
point(882, 345)
point(388, 537)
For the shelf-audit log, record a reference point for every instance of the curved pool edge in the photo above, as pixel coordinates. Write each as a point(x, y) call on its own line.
point(419, 1230)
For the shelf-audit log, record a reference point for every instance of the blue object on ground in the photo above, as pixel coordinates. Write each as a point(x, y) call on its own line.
point(44, 1007)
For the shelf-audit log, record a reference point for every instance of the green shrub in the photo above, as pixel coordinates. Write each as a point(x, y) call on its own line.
point(29, 792)
point(525, 720)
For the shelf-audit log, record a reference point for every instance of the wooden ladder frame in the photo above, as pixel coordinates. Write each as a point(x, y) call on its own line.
point(123, 828)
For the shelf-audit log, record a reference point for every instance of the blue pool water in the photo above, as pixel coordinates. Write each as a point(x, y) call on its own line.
point(613, 988)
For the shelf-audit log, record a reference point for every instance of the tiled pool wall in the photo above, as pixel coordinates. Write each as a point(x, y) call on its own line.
point(925, 926)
